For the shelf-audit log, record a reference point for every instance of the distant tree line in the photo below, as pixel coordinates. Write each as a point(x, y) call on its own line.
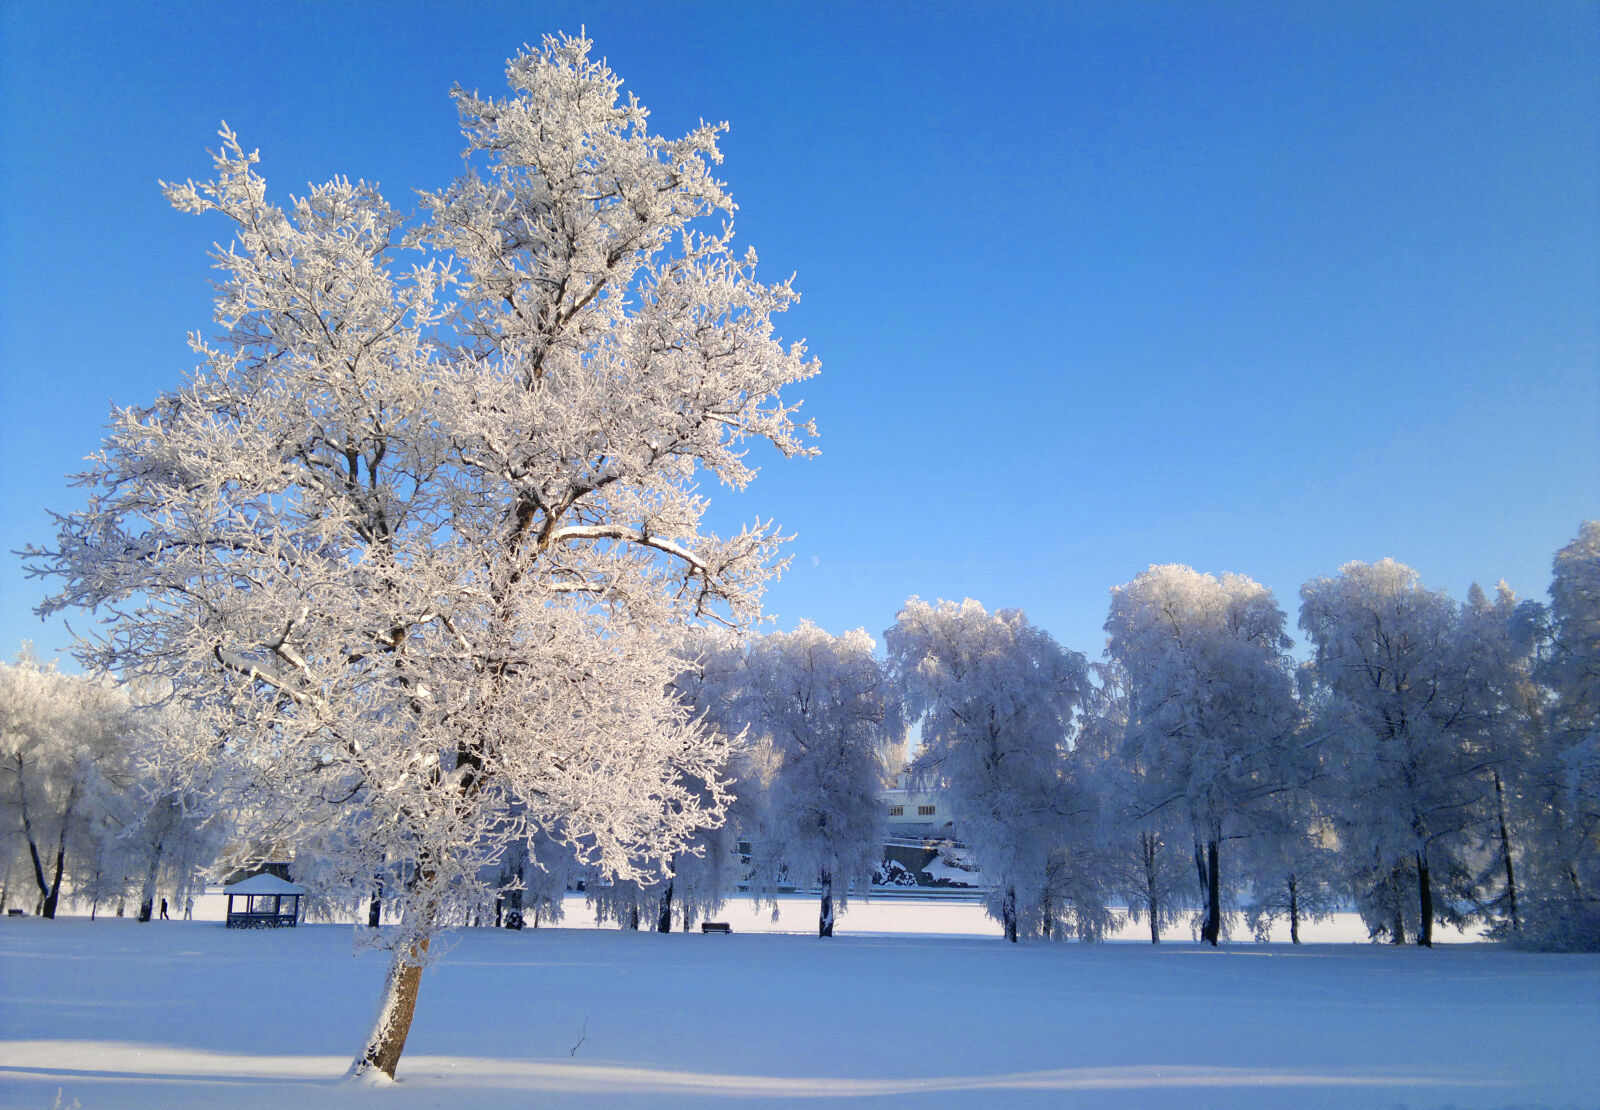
point(91, 809)
point(1430, 762)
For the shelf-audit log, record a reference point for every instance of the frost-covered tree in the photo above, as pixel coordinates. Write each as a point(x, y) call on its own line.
point(1291, 865)
point(628, 902)
point(1211, 707)
point(1146, 854)
point(824, 718)
point(169, 834)
point(709, 867)
point(1402, 697)
point(1503, 637)
point(413, 527)
point(66, 773)
point(1565, 909)
point(997, 701)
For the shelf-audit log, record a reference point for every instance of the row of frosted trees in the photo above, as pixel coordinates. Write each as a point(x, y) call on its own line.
point(1430, 762)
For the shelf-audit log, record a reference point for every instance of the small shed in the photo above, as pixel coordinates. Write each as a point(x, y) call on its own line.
point(263, 902)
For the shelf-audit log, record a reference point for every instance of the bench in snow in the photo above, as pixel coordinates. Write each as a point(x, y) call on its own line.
point(715, 927)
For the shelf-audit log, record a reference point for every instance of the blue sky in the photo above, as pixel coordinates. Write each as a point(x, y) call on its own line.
point(1258, 288)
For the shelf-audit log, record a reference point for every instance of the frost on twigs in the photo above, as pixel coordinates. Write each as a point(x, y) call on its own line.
point(415, 528)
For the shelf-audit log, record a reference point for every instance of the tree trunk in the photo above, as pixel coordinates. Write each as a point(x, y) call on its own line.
point(1397, 894)
point(48, 909)
point(33, 847)
point(147, 897)
point(1294, 910)
point(633, 917)
point(1212, 931)
point(1425, 901)
point(38, 870)
point(1008, 914)
point(1151, 845)
point(1505, 854)
point(375, 905)
point(388, 1037)
point(1204, 876)
point(664, 917)
point(825, 921)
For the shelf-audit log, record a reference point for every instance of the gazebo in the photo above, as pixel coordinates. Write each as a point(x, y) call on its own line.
point(265, 902)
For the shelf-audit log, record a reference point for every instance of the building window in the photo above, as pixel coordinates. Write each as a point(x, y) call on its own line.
point(924, 811)
point(897, 811)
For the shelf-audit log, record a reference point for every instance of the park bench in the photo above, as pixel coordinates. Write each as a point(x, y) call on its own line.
point(715, 927)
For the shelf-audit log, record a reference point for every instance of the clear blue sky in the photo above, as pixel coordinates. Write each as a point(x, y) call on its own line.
point(1260, 288)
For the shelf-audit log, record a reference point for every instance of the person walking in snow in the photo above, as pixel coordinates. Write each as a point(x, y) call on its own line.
point(164, 916)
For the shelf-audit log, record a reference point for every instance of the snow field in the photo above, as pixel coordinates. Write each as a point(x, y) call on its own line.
point(114, 1014)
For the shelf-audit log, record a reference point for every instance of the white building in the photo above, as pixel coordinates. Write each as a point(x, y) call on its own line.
point(915, 814)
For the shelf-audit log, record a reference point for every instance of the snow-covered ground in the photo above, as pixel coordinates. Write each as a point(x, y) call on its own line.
point(187, 1014)
point(895, 912)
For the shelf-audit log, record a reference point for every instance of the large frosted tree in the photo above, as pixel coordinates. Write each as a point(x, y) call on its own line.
point(997, 701)
point(824, 718)
point(413, 527)
point(1211, 709)
point(1401, 698)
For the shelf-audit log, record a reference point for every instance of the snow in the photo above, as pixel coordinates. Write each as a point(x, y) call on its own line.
point(113, 1013)
point(938, 870)
point(263, 884)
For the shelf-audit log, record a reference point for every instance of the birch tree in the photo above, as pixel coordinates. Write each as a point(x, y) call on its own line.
point(1403, 699)
point(997, 701)
point(412, 528)
point(827, 718)
point(1211, 706)
point(1503, 637)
